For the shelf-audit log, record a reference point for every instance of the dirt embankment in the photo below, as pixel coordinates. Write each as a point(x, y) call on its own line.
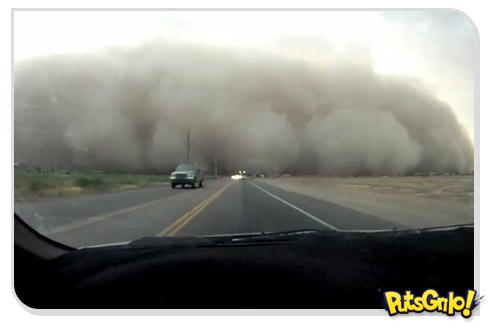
point(412, 201)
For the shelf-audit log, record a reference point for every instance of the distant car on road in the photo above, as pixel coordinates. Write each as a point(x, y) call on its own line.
point(186, 174)
point(242, 175)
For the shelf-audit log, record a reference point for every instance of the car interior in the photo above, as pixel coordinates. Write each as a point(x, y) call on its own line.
point(303, 269)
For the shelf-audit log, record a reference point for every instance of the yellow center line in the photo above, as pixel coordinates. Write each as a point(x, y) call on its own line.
point(96, 218)
point(177, 225)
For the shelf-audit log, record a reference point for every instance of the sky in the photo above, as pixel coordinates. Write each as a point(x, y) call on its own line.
point(435, 47)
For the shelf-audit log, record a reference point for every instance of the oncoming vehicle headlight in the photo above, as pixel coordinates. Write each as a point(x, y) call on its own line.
point(172, 176)
point(190, 175)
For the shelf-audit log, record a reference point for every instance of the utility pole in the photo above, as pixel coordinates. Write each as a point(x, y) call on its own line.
point(215, 165)
point(188, 146)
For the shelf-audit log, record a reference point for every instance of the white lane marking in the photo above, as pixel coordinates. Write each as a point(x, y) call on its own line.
point(311, 216)
point(367, 231)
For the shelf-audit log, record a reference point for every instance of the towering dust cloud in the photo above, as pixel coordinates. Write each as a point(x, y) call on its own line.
point(130, 110)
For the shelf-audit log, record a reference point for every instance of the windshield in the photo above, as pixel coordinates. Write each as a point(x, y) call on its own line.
point(186, 167)
point(302, 121)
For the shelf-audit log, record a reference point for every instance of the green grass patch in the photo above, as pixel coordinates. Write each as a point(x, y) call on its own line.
point(74, 182)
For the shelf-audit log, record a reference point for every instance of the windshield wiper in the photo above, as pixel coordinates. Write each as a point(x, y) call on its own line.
point(219, 240)
point(266, 237)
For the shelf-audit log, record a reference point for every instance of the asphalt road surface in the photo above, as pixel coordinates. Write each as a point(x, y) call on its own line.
point(223, 206)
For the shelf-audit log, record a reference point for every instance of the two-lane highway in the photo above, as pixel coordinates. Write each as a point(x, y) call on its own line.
point(223, 206)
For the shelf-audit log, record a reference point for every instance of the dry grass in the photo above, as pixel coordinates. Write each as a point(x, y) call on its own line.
point(438, 187)
point(58, 184)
